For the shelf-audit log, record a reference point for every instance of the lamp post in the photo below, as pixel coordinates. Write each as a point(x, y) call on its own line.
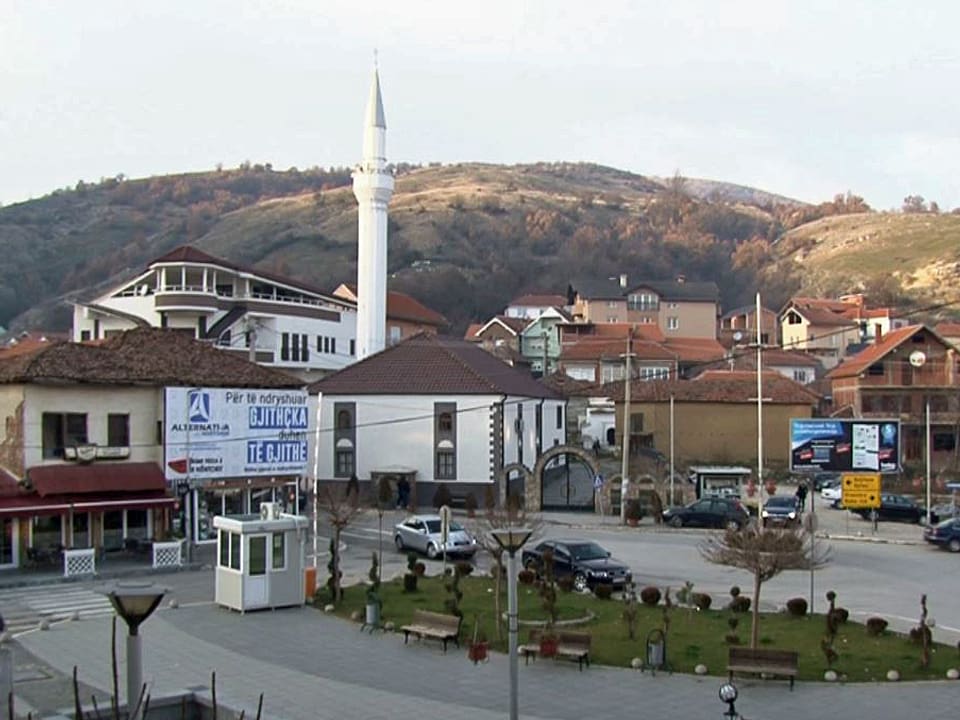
point(728, 694)
point(511, 539)
point(134, 602)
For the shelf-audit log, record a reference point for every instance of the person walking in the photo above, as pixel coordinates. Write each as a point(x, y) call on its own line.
point(802, 496)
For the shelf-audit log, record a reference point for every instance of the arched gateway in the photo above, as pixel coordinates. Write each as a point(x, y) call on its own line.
point(564, 486)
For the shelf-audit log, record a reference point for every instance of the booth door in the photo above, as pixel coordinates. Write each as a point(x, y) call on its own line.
point(255, 587)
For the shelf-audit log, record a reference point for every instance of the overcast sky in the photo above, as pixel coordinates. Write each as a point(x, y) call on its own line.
point(802, 98)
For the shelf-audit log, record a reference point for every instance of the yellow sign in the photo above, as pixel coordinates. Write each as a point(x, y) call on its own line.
point(861, 490)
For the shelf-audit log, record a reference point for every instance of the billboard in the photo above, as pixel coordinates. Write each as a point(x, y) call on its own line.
point(214, 433)
point(845, 445)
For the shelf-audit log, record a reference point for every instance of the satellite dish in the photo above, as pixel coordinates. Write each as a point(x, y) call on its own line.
point(738, 336)
point(918, 358)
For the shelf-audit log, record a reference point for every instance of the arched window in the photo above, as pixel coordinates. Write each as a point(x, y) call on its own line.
point(445, 422)
point(344, 421)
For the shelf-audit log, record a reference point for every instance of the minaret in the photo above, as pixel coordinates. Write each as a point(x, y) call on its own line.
point(372, 186)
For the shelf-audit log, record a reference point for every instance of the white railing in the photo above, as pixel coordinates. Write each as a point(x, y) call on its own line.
point(168, 554)
point(79, 562)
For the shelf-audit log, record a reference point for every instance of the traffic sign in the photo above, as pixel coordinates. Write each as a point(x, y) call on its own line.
point(861, 490)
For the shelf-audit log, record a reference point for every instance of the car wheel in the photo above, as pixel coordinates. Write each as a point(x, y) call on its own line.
point(398, 541)
point(432, 551)
point(734, 525)
point(676, 521)
point(954, 545)
point(579, 582)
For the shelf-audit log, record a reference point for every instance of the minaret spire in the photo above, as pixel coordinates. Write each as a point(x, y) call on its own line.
point(373, 188)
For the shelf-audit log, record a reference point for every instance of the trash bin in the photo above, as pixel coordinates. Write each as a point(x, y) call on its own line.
point(309, 583)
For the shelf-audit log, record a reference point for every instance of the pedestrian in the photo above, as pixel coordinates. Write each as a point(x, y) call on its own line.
point(403, 493)
point(802, 496)
point(596, 448)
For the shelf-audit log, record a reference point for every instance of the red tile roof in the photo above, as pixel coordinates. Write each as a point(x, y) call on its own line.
point(567, 386)
point(144, 356)
point(471, 333)
point(401, 306)
point(641, 331)
point(431, 365)
point(773, 357)
point(889, 342)
point(695, 349)
point(101, 477)
point(603, 348)
point(948, 329)
point(717, 386)
point(534, 300)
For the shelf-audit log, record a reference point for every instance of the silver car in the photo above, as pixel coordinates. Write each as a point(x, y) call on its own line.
point(422, 532)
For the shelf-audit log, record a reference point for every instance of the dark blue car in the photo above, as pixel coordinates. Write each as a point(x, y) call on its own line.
point(945, 534)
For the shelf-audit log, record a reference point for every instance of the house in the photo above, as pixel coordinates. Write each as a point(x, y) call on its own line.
point(714, 417)
point(898, 377)
point(678, 307)
point(406, 315)
point(83, 450)
point(275, 321)
point(796, 365)
point(739, 327)
point(540, 340)
point(832, 329)
point(949, 331)
point(532, 306)
point(436, 411)
point(497, 331)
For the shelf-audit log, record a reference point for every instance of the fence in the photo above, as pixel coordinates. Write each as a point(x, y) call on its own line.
point(79, 562)
point(168, 554)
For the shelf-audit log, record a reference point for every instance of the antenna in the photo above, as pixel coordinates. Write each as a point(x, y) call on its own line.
point(918, 358)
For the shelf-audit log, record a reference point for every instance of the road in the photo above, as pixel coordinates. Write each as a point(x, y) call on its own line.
point(870, 578)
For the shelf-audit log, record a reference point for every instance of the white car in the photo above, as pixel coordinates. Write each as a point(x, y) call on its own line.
point(832, 494)
point(422, 532)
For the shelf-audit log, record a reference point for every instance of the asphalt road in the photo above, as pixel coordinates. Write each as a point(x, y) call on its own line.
point(870, 578)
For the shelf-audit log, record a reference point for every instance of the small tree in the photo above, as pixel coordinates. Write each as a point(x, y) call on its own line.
point(341, 509)
point(494, 519)
point(630, 612)
point(384, 499)
point(764, 554)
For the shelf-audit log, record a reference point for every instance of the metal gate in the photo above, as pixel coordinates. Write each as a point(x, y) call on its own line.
point(567, 484)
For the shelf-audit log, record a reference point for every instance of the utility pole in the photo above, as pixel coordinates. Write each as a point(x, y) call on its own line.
point(759, 419)
point(625, 440)
point(671, 501)
point(252, 334)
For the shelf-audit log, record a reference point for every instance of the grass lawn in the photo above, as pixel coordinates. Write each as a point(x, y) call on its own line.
point(694, 637)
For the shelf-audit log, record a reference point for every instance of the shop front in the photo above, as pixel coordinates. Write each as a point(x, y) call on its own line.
point(59, 507)
point(236, 497)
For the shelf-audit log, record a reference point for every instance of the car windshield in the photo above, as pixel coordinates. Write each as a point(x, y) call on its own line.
point(781, 502)
point(587, 551)
point(433, 526)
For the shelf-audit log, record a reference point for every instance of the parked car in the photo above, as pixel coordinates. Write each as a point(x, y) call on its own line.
point(422, 533)
point(711, 512)
point(825, 479)
point(584, 561)
point(832, 492)
point(781, 510)
point(898, 507)
point(946, 534)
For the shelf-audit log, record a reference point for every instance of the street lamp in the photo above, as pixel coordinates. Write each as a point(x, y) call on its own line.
point(134, 602)
point(728, 694)
point(511, 539)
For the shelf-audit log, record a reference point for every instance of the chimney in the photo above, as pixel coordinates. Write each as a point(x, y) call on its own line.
point(877, 332)
point(681, 279)
point(623, 281)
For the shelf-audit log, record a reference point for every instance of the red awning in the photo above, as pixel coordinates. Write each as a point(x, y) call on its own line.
point(99, 477)
point(27, 505)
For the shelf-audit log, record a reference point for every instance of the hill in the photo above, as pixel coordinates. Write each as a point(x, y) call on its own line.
point(464, 238)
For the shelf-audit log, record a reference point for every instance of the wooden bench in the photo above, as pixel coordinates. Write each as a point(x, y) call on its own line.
point(763, 660)
point(426, 624)
point(570, 645)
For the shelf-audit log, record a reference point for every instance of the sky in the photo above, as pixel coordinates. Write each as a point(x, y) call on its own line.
point(806, 99)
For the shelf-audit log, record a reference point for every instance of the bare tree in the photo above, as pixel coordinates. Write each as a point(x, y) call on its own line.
point(341, 506)
point(763, 554)
point(494, 519)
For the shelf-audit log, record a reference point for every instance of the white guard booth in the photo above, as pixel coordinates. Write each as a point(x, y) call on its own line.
point(260, 559)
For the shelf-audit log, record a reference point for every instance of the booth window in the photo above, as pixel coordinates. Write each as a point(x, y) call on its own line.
point(258, 555)
point(234, 551)
point(279, 559)
point(224, 548)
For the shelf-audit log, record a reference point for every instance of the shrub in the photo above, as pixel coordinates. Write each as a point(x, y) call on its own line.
point(876, 626)
point(702, 601)
point(464, 568)
point(489, 498)
point(841, 615)
point(732, 639)
point(419, 569)
point(797, 606)
point(526, 577)
point(650, 595)
point(917, 633)
point(603, 591)
point(740, 604)
point(470, 503)
point(565, 583)
point(634, 510)
point(409, 583)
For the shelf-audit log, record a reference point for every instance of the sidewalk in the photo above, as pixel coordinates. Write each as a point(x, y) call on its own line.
point(310, 666)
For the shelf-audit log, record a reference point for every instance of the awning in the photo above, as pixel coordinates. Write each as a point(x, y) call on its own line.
point(98, 477)
point(28, 505)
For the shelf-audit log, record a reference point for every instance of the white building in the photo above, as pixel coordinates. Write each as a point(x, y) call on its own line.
point(278, 322)
point(436, 410)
